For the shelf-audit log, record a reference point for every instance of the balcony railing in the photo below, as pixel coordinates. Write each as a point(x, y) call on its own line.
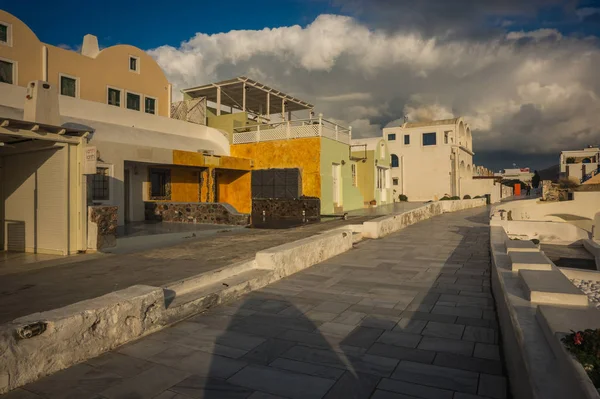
point(295, 129)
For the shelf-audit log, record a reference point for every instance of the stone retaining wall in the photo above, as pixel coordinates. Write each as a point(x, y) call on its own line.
point(285, 208)
point(102, 227)
point(202, 212)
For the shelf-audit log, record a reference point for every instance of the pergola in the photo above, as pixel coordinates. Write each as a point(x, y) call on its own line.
point(249, 96)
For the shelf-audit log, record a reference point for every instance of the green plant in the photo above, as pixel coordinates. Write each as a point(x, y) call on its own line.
point(445, 198)
point(585, 346)
point(477, 197)
point(454, 198)
point(571, 160)
point(403, 198)
point(467, 196)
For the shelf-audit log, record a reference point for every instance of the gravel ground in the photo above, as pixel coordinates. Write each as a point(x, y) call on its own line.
point(591, 288)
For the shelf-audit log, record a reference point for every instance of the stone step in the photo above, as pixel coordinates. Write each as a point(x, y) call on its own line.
point(551, 287)
point(520, 246)
point(216, 293)
point(529, 261)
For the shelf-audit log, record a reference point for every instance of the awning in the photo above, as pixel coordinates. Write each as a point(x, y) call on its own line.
point(14, 131)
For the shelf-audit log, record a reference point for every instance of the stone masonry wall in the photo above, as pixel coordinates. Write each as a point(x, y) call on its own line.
point(550, 191)
point(203, 212)
point(104, 219)
point(288, 208)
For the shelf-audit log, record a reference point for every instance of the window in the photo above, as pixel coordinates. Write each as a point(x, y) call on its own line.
point(114, 97)
point(395, 161)
point(134, 63)
point(160, 184)
point(395, 181)
point(150, 105)
point(276, 183)
point(101, 184)
point(7, 72)
point(68, 86)
point(446, 137)
point(406, 139)
point(5, 34)
point(354, 175)
point(392, 137)
point(133, 101)
point(429, 139)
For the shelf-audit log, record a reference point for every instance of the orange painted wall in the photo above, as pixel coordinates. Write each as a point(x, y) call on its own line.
point(184, 185)
point(223, 162)
point(234, 189)
point(304, 154)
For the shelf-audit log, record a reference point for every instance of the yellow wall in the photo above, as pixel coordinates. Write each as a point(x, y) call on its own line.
point(304, 154)
point(184, 185)
point(188, 158)
point(365, 174)
point(234, 189)
point(109, 68)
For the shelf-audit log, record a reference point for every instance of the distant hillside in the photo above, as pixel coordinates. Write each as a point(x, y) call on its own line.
point(550, 173)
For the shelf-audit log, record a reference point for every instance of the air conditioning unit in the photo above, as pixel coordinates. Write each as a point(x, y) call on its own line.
point(207, 152)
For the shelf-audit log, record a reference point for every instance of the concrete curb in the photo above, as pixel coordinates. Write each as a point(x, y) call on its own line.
point(63, 337)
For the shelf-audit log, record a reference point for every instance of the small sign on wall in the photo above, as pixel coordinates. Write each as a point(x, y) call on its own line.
point(90, 160)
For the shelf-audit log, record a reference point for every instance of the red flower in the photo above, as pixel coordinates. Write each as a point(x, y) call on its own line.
point(578, 339)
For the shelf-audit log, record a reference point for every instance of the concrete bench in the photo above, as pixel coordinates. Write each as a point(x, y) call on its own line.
point(529, 261)
point(520, 246)
point(551, 287)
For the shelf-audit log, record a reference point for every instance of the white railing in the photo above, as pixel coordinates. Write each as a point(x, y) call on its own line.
point(295, 129)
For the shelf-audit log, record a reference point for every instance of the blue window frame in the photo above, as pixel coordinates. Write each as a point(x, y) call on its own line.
point(429, 139)
point(392, 137)
point(395, 162)
point(406, 139)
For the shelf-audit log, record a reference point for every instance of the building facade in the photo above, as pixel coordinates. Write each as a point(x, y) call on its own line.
point(430, 159)
point(120, 98)
point(581, 165)
point(371, 172)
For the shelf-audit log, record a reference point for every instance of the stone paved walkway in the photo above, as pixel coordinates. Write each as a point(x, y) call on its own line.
point(408, 316)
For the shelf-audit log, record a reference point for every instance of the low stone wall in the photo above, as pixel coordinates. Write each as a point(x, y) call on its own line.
point(42, 343)
point(285, 208)
point(201, 212)
point(102, 227)
point(383, 226)
point(559, 233)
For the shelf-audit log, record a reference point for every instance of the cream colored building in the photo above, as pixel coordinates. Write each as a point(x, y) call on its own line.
point(581, 165)
point(116, 104)
point(371, 171)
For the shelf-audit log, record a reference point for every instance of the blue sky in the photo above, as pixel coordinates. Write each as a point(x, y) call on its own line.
point(155, 23)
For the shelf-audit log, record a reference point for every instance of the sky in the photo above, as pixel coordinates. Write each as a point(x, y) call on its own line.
point(524, 73)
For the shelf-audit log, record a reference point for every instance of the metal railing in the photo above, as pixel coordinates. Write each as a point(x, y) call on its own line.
point(294, 129)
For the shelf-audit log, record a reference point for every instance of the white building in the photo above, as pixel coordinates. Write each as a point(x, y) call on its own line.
point(523, 174)
point(431, 159)
point(580, 164)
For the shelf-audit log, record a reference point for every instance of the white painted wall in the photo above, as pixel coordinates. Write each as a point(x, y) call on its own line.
point(430, 172)
point(584, 204)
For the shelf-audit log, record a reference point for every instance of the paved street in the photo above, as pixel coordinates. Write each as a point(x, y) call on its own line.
point(408, 316)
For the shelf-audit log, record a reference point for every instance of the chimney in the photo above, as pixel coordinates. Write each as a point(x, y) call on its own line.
point(90, 46)
point(41, 103)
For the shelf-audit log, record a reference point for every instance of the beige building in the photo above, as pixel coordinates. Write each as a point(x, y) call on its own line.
point(122, 76)
point(113, 106)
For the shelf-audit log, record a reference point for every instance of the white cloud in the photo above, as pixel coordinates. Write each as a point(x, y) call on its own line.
point(534, 92)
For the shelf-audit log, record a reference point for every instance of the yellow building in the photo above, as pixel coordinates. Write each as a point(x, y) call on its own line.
point(117, 102)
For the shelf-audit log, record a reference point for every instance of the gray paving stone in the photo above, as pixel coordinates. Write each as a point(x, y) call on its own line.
point(457, 311)
point(400, 339)
point(443, 330)
point(446, 345)
point(436, 376)
point(170, 395)
point(279, 382)
point(380, 394)
point(296, 310)
point(144, 348)
point(20, 394)
point(205, 387)
point(369, 364)
point(332, 307)
point(354, 386)
point(362, 337)
point(307, 368)
point(120, 364)
point(147, 384)
point(351, 318)
point(402, 353)
point(320, 316)
point(480, 334)
point(409, 325)
point(268, 351)
point(461, 395)
point(468, 363)
point(336, 328)
point(374, 310)
point(262, 395)
point(469, 321)
point(382, 322)
point(493, 386)
point(415, 390)
point(487, 351)
point(442, 318)
point(381, 302)
point(198, 362)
